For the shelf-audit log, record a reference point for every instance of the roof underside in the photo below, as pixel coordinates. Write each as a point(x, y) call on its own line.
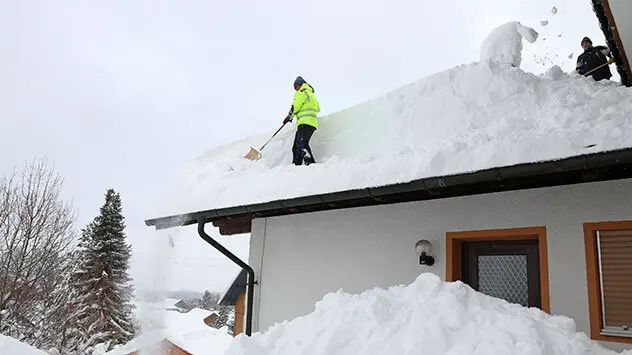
point(235, 290)
point(611, 30)
point(601, 166)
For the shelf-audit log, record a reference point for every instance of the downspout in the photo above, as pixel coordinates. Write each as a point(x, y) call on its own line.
point(251, 273)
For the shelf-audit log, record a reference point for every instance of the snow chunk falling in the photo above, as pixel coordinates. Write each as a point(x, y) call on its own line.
point(428, 317)
point(504, 43)
point(554, 10)
point(544, 23)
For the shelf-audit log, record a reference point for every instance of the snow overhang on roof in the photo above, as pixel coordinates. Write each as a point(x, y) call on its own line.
point(602, 166)
point(616, 23)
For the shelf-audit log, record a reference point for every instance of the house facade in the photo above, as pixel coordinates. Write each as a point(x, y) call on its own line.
point(556, 235)
point(536, 247)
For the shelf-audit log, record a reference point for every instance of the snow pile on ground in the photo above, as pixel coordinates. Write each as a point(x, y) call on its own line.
point(11, 346)
point(471, 117)
point(428, 317)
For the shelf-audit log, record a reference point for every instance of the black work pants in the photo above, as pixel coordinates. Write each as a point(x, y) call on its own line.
point(301, 150)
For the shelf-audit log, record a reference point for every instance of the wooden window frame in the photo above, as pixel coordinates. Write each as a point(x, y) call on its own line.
point(454, 242)
point(592, 275)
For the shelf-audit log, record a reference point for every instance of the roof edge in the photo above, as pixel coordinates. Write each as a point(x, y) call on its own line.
point(239, 284)
point(608, 26)
point(430, 186)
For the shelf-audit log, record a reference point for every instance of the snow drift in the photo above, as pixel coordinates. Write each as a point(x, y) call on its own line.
point(428, 317)
point(11, 346)
point(471, 117)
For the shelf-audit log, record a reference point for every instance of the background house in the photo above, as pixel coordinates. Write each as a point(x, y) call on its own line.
point(183, 306)
point(211, 319)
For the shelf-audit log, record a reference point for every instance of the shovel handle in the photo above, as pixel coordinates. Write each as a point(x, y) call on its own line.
point(610, 61)
point(275, 133)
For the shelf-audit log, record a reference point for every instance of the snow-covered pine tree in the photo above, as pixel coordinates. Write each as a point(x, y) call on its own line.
point(102, 308)
point(56, 325)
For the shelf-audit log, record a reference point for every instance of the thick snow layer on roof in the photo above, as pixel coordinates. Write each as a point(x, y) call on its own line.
point(13, 346)
point(193, 319)
point(471, 117)
point(426, 317)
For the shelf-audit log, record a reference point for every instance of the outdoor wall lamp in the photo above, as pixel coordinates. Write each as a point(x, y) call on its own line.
point(424, 249)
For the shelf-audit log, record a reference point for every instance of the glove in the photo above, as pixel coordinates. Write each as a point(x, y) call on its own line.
point(288, 118)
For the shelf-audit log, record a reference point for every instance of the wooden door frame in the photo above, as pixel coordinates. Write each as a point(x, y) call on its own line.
point(454, 243)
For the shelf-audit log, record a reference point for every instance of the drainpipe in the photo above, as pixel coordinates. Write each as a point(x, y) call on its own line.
point(251, 273)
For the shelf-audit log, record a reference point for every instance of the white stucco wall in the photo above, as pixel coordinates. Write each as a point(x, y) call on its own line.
point(300, 258)
point(622, 13)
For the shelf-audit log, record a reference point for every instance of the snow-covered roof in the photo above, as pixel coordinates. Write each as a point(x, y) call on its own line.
point(198, 313)
point(201, 341)
point(185, 330)
point(469, 118)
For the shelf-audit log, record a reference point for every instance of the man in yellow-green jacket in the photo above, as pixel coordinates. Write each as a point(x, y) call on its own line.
point(305, 108)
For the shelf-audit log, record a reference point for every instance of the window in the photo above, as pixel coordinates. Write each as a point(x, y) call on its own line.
point(609, 271)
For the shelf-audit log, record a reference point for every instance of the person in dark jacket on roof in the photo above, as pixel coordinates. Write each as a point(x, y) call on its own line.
point(305, 108)
point(592, 58)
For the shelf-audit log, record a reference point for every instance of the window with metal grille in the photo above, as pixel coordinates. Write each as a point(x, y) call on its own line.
point(609, 266)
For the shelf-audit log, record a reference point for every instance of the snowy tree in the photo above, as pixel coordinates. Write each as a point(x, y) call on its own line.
point(224, 314)
point(37, 234)
point(58, 305)
point(102, 307)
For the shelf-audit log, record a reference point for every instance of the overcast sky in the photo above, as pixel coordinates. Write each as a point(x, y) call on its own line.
point(119, 93)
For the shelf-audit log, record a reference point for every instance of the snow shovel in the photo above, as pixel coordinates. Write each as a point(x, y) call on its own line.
point(610, 61)
point(255, 154)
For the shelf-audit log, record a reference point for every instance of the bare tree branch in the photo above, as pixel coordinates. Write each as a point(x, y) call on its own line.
point(36, 235)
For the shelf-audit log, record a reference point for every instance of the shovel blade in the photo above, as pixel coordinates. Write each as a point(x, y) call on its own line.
point(253, 154)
